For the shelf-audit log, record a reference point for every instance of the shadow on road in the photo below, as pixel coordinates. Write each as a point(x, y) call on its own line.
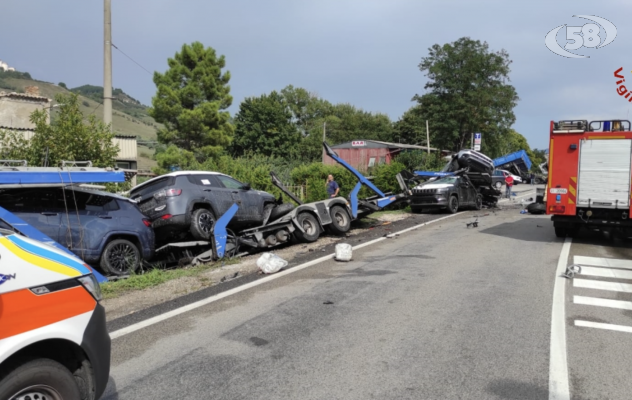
point(527, 229)
point(516, 390)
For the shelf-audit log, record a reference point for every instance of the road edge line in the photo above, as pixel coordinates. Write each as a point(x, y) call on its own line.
point(558, 363)
point(169, 314)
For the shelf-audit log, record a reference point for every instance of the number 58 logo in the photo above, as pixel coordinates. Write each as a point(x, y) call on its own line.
point(589, 35)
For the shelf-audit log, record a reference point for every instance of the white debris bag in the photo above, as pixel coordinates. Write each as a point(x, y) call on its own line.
point(270, 263)
point(343, 252)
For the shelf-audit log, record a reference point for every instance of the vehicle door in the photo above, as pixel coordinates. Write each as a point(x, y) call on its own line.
point(88, 221)
point(240, 196)
point(36, 206)
point(465, 189)
point(214, 192)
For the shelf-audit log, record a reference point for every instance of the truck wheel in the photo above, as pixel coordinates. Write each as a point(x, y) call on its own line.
point(39, 379)
point(479, 202)
point(311, 227)
point(340, 220)
point(416, 210)
point(280, 210)
point(560, 231)
point(120, 257)
point(453, 205)
point(498, 185)
point(202, 223)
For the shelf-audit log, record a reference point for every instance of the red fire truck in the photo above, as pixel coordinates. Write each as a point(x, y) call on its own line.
point(589, 176)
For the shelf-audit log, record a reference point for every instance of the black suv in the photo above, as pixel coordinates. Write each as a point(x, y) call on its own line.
point(189, 202)
point(450, 192)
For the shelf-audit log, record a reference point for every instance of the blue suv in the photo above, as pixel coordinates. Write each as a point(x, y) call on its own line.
point(101, 228)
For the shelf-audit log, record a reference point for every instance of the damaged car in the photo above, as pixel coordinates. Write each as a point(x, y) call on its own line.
point(186, 204)
point(451, 193)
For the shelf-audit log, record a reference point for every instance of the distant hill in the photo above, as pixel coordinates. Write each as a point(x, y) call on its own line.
point(129, 116)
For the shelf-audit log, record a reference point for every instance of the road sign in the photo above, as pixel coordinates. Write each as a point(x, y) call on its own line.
point(477, 147)
point(477, 138)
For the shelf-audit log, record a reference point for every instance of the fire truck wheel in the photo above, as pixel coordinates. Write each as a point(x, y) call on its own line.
point(202, 223)
point(39, 379)
point(311, 227)
point(560, 231)
point(479, 202)
point(340, 220)
point(453, 205)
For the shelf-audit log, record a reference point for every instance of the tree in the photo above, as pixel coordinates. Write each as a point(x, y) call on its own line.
point(411, 127)
point(190, 102)
point(62, 84)
point(264, 126)
point(468, 92)
point(69, 136)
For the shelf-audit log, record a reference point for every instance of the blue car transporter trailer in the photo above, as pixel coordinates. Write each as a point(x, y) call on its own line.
point(23, 176)
point(517, 162)
point(305, 222)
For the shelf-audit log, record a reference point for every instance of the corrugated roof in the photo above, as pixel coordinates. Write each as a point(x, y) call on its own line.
point(11, 128)
point(125, 136)
point(25, 96)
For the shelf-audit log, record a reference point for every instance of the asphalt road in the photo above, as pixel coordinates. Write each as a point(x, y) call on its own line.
point(441, 312)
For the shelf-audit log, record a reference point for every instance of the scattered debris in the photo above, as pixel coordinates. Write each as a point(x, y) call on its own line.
point(328, 302)
point(344, 252)
point(269, 263)
point(227, 278)
point(472, 224)
point(571, 270)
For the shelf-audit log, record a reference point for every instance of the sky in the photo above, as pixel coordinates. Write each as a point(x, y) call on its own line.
point(362, 52)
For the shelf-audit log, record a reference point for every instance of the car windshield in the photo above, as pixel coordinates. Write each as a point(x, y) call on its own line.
point(447, 179)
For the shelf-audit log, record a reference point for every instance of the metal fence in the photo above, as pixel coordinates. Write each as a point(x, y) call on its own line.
point(299, 191)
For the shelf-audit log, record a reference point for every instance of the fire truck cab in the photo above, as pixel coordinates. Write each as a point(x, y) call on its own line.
point(589, 176)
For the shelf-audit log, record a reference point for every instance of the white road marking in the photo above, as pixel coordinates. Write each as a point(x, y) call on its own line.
point(602, 285)
point(603, 262)
point(211, 299)
point(594, 301)
point(598, 325)
point(558, 365)
point(606, 272)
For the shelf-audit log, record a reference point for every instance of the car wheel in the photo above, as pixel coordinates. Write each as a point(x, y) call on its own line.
point(416, 210)
point(39, 379)
point(453, 204)
point(340, 220)
point(498, 185)
point(202, 224)
point(280, 210)
point(479, 202)
point(311, 227)
point(120, 257)
point(560, 231)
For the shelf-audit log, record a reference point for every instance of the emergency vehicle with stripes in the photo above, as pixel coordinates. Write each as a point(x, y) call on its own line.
point(589, 176)
point(53, 339)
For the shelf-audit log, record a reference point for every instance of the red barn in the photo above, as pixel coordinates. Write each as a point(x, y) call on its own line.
point(362, 154)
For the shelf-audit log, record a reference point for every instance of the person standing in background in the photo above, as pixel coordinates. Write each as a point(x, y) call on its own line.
point(332, 187)
point(508, 184)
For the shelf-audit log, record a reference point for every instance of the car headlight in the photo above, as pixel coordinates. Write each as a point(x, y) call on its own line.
point(90, 283)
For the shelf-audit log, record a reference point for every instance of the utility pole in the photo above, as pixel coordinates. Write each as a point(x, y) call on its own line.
point(107, 64)
point(427, 137)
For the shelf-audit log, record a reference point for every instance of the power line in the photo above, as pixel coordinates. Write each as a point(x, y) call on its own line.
point(134, 61)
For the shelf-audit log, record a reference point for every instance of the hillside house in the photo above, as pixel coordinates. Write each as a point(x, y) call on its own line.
point(16, 110)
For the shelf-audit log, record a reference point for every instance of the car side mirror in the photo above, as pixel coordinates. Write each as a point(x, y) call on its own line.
point(246, 186)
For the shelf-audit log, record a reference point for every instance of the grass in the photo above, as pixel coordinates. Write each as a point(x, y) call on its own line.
point(405, 210)
point(157, 276)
